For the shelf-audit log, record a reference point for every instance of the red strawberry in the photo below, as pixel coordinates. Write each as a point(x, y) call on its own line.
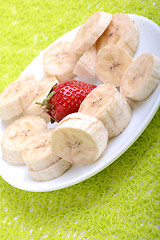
point(65, 98)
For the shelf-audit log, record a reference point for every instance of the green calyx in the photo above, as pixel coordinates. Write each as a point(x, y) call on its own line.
point(47, 104)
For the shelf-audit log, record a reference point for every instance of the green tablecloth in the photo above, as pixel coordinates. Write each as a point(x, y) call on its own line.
point(122, 201)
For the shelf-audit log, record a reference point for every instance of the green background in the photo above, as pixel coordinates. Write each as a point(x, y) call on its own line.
point(122, 201)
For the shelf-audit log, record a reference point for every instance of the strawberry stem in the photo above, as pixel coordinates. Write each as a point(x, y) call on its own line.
point(52, 120)
point(50, 95)
point(46, 100)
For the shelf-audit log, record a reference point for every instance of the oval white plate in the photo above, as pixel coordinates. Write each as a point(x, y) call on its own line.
point(143, 112)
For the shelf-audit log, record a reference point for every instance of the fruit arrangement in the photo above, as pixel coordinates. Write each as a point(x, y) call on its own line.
point(65, 98)
point(87, 115)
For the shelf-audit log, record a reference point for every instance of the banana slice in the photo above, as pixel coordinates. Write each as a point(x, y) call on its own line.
point(42, 163)
point(79, 139)
point(51, 172)
point(86, 66)
point(90, 31)
point(109, 106)
point(17, 135)
point(59, 61)
point(122, 32)
point(141, 77)
point(15, 98)
point(111, 63)
point(44, 86)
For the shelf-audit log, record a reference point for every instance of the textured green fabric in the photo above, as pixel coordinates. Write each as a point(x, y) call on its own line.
point(122, 201)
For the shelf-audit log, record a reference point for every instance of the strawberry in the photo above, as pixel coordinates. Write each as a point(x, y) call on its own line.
point(65, 98)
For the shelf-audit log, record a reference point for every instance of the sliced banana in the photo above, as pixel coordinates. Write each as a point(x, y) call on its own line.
point(15, 98)
point(111, 63)
point(44, 86)
point(17, 135)
point(59, 61)
point(90, 31)
point(109, 106)
point(53, 171)
point(79, 139)
point(42, 163)
point(141, 77)
point(122, 32)
point(86, 65)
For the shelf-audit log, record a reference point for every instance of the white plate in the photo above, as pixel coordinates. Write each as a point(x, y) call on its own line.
point(143, 112)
